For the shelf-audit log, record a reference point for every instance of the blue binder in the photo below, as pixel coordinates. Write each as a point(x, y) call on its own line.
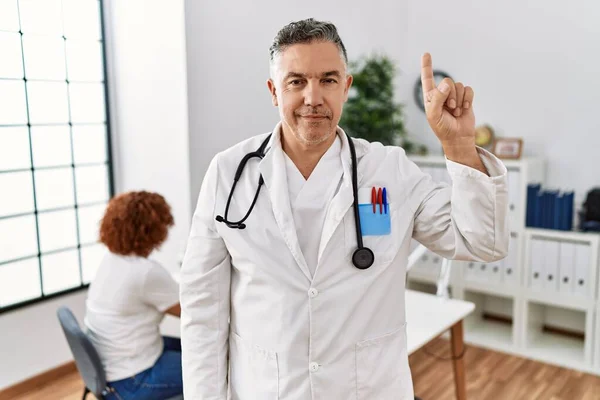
point(559, 212)
point(532, 193)
point(568, 217)
point(552, 209)
point(537, 210)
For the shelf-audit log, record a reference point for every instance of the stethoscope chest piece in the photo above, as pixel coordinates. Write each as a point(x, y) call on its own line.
point(363, 258)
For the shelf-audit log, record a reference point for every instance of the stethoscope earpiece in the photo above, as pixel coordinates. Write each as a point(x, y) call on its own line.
point(232, 225)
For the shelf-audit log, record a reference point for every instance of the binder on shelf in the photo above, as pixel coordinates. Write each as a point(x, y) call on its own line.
point(485, 272)
point(537, 210)
point(471, 271)
point(545, 204)
point(495, 271)
point(582, 269)
point(509, 264)
point(550, 265)
point(559, 210)
point(536, 264)
point(566, 267)
point(532, 191)
point(568, 204)
point(546, 209)
point(553, 208)
point(549, 209)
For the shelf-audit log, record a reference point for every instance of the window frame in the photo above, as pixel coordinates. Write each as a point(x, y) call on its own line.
point(76, 207)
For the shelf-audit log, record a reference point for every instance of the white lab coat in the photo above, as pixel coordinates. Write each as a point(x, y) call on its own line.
point(256, 323)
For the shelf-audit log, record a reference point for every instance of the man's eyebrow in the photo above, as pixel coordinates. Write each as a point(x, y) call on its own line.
point(293, 74)
point(335, 73)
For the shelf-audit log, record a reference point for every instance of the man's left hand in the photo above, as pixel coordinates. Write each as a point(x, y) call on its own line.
point(449, 109)
point(449, 106)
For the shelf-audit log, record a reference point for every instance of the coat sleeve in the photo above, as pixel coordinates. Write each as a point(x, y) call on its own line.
point(467, 220)
point(205, 301)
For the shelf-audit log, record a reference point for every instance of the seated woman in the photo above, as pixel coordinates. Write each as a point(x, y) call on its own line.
point(129, 297)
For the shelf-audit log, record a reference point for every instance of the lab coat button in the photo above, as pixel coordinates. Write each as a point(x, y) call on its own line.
point(314, 367)
point(312, 293)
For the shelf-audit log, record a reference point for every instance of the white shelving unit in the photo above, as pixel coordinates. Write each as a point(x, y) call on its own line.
point(485, 327)
point(560, 287)
point(537, 301)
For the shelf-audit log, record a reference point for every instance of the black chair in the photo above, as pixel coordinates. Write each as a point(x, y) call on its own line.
point(86, 357)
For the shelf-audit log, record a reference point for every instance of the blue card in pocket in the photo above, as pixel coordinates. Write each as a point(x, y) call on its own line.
point(374, 223)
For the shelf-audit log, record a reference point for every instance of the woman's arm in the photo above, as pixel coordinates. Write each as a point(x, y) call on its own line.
point(174, 310)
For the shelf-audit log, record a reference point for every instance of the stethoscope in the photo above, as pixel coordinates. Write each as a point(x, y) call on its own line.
point(362, 258)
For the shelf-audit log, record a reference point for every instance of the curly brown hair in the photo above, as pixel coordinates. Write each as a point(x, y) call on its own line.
point(136, 223)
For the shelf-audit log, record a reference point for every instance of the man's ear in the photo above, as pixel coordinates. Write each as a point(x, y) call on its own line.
point(273, 91)
point(348, 82)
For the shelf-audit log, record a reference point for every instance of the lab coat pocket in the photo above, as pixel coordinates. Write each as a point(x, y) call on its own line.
point(378, 233)
point(382, 370)
point(254, 371)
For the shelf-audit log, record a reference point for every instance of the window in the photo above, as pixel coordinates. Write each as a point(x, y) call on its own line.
point(55, 165)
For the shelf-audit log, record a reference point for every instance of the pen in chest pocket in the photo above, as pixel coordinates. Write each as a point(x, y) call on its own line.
point(374, 199)
point(379, 197)
point(385, 203)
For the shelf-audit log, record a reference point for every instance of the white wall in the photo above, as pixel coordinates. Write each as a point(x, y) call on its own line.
point(530, 62)
point(151, 108)
point(148, 81)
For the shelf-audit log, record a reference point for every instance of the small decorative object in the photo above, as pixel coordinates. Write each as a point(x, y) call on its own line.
point(508, 148)
point(484, 136)
point(438, 76)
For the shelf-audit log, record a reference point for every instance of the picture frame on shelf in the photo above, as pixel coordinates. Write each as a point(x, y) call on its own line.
point(508, 148)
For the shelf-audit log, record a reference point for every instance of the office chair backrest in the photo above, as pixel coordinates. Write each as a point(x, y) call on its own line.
point(86, 357)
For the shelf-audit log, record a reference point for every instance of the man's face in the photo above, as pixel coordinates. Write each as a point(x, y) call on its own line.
point(309, 85)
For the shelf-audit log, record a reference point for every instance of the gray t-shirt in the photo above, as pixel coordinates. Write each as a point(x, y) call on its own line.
point(125, 305)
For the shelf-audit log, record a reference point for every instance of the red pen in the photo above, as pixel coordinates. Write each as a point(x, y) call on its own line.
point(380, 200)
point(374, 199)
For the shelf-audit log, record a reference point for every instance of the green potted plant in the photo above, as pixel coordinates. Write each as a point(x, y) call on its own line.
point(371, 112)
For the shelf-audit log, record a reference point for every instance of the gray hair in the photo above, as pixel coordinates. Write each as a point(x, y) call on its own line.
point(306, 31)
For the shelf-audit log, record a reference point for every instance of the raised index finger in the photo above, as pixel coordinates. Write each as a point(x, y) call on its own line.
point(427, 80)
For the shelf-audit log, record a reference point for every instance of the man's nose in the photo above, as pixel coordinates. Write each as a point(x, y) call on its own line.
point(313, 95)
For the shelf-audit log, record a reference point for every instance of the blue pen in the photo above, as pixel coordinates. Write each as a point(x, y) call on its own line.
point(385, 203)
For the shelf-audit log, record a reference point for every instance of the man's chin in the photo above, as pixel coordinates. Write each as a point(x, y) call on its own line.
point(314, 138)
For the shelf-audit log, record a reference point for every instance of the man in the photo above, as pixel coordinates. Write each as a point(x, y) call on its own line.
point(273, 306)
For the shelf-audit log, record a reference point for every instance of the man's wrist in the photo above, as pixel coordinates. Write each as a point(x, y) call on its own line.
point(464, 152)
point(460, 150)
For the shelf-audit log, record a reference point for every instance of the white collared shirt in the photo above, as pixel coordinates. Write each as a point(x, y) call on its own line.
point(310, 199)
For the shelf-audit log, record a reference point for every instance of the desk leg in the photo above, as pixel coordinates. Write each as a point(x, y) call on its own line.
point(457, 347)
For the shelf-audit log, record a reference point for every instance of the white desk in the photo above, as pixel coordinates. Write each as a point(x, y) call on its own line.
point(427, 317)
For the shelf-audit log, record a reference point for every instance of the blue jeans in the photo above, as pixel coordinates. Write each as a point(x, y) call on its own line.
point(161, 381)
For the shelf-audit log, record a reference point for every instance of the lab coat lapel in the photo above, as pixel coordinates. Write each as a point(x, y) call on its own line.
point(273, 170)
point(343, 200)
